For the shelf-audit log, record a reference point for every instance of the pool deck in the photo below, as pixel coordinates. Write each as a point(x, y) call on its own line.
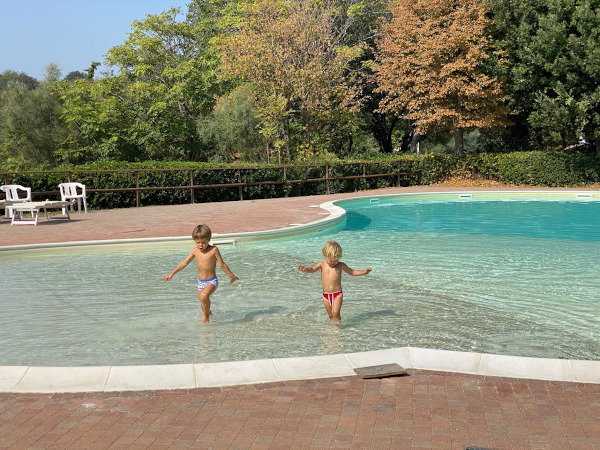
point(447, 399)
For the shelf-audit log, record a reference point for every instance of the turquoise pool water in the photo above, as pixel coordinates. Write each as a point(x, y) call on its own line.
point(506, 275)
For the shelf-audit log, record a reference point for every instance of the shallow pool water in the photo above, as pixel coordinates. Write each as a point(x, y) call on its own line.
point(502, 276)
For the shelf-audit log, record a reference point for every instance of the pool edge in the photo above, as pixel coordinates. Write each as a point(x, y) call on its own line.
point(49, 380)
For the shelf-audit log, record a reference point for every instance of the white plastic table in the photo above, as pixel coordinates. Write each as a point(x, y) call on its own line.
point(4, 204)
point(34, 208)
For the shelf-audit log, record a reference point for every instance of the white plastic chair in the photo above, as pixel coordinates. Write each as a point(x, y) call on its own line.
point(73, 192)
point(13, 196)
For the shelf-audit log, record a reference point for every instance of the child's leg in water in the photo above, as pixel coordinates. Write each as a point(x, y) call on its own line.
point(328, 308)
point(333, 309)
point(204, 297)
point(336, 308)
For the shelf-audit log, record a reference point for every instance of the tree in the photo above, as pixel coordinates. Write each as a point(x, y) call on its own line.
point(74, 75)
point(366, 16)
point(430, 60)
point(157, 66)
point(31, 130)
point(232, 127)
point(553, 49)
point(102, 121)
point(292, 54)
point(9, 77)
point(166, 81)
point(53, 73)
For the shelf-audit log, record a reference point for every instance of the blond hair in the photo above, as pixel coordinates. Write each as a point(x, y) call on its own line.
point(201, 233)
point(332, 251)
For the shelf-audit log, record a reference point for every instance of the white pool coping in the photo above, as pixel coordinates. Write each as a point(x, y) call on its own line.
point(21, 379)
point(34, 379)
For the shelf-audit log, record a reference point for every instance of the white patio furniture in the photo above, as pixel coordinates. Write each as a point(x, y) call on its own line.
point(73, 192)
point(15, 193)
point(34, 208)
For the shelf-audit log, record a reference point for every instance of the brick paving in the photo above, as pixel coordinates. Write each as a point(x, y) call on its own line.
point(433, 410)
point(426, 410)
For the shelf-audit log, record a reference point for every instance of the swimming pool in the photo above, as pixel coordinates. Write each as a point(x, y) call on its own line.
point(495, 274)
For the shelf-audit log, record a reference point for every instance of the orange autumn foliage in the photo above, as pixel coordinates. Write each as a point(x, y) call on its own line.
point(292, 53)
point(429, 66)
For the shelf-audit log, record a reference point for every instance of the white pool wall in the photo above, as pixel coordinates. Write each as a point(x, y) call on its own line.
point(20, 379)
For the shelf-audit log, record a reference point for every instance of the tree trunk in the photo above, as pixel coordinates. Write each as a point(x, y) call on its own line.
point(459, 143)
point(382, 131)
point(287, 139)
point(414, 143)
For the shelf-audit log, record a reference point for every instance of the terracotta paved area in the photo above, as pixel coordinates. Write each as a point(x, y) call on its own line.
point(421, 410)
point(180, 220)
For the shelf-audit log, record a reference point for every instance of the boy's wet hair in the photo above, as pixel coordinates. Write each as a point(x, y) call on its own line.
point(201, 233)
point(332, 251)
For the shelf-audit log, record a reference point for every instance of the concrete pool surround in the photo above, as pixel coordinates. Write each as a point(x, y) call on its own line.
point(191, 376)
point(34, 379)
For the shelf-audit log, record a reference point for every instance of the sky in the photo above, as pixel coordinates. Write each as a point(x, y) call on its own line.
point(70, 33)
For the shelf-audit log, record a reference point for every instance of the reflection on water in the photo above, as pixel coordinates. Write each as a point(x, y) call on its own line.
point(435, 283)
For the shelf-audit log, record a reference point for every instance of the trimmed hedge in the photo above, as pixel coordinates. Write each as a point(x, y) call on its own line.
point(552, 169)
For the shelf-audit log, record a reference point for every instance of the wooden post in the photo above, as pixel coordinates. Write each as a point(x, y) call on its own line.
point(327, 177)
point(398, 172)
point(364, 183)
point(239, 181)
point(192, 185)
point(137, 187)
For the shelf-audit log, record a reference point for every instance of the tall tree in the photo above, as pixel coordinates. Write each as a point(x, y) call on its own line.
point(166, 81)
point(31, 130)
point(430, 59)
point(157, 62)
point(11, 77)
point(366, 17)
point(553, 49)
point(293, 55)
point(102, 121)
point(232, 127)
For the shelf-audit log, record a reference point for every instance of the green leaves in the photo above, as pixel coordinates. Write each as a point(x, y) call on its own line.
point(554, 53)
point(292, 55)
point(31, 131)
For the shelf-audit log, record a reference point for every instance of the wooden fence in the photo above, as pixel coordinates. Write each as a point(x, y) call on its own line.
point(240, 184)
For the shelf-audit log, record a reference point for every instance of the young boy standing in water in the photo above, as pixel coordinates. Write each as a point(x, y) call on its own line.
point(331, 277)
point(207, 257)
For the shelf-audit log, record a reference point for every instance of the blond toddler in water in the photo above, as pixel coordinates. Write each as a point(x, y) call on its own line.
point(331, 278)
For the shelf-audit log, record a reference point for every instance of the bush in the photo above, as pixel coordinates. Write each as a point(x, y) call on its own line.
point(577, 168)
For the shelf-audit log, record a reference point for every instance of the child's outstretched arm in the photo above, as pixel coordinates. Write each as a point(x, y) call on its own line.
point(354, 272)
point(225, 267)
point(180, 266)
point(312, 269)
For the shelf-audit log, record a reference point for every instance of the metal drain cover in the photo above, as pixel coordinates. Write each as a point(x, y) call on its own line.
point(383, 370)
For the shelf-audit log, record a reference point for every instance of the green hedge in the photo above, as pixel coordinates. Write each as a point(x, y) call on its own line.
point(519, 168)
